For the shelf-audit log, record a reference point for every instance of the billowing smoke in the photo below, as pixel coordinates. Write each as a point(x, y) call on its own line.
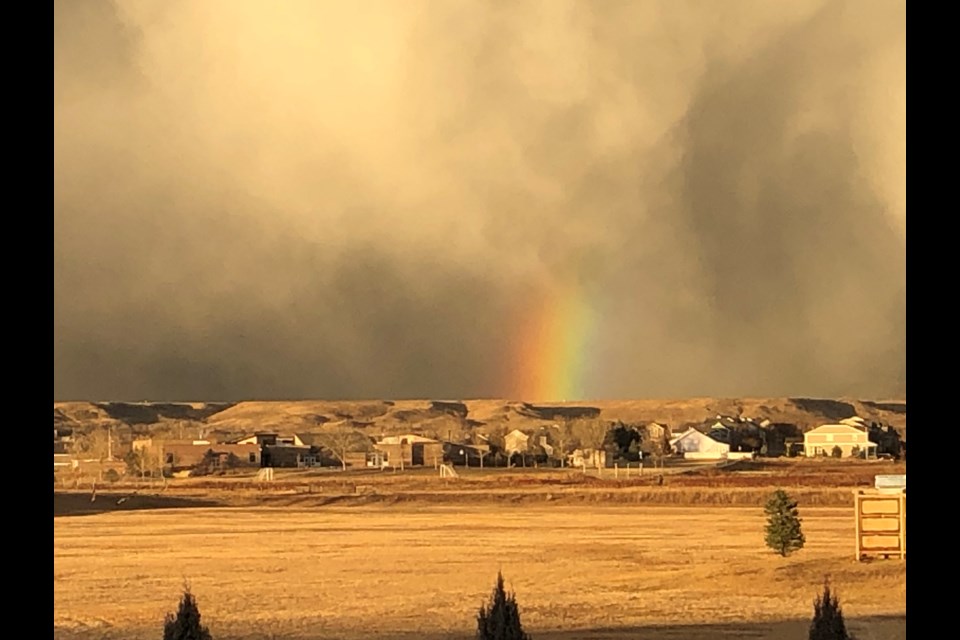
point(361, 200)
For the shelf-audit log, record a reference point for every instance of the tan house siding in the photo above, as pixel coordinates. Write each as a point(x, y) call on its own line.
point(823, 440)
point(412, 451)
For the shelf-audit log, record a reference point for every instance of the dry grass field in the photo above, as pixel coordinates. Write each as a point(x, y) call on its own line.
point(421, 570)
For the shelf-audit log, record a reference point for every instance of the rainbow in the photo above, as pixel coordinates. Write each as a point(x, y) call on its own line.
point(550, 360)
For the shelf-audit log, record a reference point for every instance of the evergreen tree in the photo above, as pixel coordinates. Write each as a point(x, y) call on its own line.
point(186, 624)
point(783, 524)
point(827, 623)
point(499, 619)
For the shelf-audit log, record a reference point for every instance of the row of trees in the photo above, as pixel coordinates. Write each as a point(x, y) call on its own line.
point(499, 618)
point(621, 442)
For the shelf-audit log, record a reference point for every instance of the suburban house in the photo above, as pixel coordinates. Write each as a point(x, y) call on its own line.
point(373, 459)
point(720, 432)
point(282, 451)
point(263, 438)
point(178, 455)
point(694, 445)
point(656, 432)
point(853, 441)
point(588, 458)
point(516, 442)
point(410, 450)
point(290, 456)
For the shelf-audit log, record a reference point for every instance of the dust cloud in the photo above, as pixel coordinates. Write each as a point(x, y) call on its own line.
point(366, 200)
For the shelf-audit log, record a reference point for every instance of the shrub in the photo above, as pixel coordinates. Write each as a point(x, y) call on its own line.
point(784, 534)
point(827, 623)
point(111, 475)
point(837, 452)
point(185, 625)
point(499, 619)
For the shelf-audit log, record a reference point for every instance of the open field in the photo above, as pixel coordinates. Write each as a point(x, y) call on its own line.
point(820, 482)
point(419, 570)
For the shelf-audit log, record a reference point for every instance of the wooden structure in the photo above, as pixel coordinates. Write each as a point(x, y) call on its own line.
point(447, 471)
point(881, 521)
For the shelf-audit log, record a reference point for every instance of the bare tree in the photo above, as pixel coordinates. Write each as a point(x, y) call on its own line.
point(658, 449)
point(341, 440)
point(495, 437)
point(145, 460)
point(590, 432)
point(96, 444)
point(457, 429)
point(563, 436)
point(482, 452)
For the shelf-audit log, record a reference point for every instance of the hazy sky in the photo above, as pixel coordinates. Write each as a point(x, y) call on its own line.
point(366, 199)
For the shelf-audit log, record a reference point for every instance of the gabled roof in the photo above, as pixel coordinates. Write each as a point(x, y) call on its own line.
point(834, 429)
point(854, 421)
point(689, 432)
point(408, 438)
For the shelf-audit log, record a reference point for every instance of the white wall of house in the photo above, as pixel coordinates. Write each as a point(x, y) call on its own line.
point(588, 458)
point(705, 455)
point(692, 441)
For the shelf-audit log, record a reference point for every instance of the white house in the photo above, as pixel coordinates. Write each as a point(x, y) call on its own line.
point(695, 445)
point(822, 441)
point(588, 458)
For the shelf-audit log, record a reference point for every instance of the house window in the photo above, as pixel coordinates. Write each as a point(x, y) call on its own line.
point(253, 457)
point(169, 458)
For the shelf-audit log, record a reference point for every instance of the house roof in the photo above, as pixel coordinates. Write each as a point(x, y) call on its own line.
point(855, 421)
point(409, 438)
point(834, 429)
point(691, 432)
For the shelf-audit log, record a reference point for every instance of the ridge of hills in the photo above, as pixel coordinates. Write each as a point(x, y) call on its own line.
point(225, 419)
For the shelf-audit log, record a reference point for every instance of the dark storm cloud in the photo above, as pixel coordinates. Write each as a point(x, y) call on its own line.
point(324, 200)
